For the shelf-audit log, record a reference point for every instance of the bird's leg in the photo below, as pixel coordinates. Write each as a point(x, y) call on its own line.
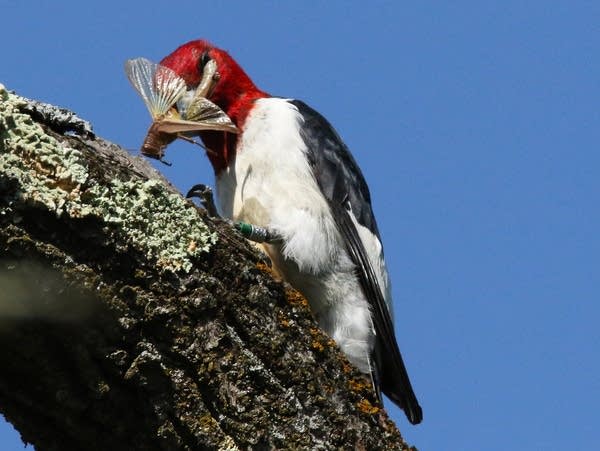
point(256, 233)
point(248, 231)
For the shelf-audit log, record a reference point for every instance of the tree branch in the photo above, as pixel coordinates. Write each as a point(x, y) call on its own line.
point(130, 320)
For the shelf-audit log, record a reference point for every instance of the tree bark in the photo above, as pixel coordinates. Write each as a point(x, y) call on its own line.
point(131, 320)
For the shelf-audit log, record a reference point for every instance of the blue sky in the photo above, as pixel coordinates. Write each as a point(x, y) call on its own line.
point(477, 126)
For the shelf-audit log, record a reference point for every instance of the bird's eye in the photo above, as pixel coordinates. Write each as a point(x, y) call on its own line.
point(204, 58)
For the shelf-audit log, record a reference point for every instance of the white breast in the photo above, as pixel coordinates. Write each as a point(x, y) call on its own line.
point(270, 184)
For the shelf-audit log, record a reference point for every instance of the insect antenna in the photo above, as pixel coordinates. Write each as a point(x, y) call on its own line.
point(198, 143)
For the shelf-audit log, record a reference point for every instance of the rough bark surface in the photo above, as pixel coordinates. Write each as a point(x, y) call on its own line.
point(107, 343)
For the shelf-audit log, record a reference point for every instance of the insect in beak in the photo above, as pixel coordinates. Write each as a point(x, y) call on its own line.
point(162, 89)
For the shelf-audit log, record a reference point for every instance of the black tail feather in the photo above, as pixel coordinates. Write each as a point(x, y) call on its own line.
point(392, 379)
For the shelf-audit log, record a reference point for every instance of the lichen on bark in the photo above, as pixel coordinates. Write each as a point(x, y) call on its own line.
point(150, 217)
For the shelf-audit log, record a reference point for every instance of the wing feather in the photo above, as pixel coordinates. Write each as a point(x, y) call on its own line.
point(346, 191)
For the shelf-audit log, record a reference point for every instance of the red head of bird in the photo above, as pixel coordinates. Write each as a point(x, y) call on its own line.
point(233, 90)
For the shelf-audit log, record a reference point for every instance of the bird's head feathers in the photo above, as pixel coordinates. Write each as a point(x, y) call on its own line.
point(231, 89)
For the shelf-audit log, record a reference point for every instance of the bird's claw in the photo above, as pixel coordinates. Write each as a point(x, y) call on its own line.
point(205, 194)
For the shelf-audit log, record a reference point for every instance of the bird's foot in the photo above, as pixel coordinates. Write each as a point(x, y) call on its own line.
point(205, 194)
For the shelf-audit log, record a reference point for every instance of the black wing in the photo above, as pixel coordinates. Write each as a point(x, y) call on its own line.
point(344, 187)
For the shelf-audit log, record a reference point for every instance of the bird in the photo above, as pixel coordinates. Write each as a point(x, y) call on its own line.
point(288, 171)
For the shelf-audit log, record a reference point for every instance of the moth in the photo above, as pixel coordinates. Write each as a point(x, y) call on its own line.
point(175, 111)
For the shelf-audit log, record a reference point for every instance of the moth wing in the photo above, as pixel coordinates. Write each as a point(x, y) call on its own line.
point(159, 86)
point(179, 126)
point(203, 110)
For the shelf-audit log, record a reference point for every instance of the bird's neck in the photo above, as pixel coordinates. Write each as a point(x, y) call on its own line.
point(237, 102)
point(237, 99)
point(220, 149)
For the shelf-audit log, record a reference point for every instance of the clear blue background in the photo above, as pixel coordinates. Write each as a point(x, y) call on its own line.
point(477, 126)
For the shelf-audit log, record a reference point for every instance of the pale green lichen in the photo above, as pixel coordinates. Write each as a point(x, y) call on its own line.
point(52, 175)
point(48, 172)
point(147, 212)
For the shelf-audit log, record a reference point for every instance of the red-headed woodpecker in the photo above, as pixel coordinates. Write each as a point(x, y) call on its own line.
point(288, 171)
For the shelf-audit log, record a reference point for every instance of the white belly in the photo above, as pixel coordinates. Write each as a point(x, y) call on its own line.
point(270, 184)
